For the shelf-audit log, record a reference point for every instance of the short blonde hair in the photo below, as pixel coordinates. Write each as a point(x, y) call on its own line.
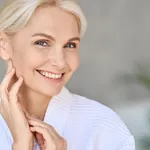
point(16, 13)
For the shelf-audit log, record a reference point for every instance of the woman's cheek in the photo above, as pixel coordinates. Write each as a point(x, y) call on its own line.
point(72, 59)
point(75, 63)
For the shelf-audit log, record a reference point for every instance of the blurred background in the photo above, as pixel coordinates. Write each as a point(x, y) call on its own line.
point(115, 62)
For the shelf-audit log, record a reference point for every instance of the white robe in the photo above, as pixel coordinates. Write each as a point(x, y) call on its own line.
point(84, 123)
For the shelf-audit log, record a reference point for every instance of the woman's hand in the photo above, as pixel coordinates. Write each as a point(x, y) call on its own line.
point(46, 135)
point(11, 110)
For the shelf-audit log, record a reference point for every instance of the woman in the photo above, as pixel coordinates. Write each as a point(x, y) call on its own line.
point(40, 40)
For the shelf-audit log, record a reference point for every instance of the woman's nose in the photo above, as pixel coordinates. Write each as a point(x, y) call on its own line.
point(57, 58)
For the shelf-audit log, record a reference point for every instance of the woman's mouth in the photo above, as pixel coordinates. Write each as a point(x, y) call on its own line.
point(51, 76)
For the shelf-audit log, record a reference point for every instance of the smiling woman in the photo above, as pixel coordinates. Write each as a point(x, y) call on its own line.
point(39, 39)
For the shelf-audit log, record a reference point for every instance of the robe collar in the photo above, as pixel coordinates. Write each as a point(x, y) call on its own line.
point(58, 110)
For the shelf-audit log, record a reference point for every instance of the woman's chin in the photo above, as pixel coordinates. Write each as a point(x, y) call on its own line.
point(51, 92)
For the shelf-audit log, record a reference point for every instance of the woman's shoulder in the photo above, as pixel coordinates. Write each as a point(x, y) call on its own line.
point(97, 113)
point(89, 111)
point(92, 106)
point(103, 120)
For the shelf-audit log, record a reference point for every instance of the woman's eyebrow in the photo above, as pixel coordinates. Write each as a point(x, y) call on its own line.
point(52, 38)
point(45, 35)
point(74, 39)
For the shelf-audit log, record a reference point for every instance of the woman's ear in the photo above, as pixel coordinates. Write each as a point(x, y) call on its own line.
point(4, 46)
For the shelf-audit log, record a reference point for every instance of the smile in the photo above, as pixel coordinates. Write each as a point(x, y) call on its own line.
point(50, 75)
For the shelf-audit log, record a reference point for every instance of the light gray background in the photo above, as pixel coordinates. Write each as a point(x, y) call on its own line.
point(118, 35)
point(117, 38)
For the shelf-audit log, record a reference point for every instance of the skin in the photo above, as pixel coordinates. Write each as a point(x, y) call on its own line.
point(27, 57)
point(28, 52)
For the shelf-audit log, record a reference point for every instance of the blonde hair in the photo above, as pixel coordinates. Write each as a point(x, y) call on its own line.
point(16, 13)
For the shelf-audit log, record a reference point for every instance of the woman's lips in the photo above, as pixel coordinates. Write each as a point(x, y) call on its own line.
point(52, 79)
point(49, 72)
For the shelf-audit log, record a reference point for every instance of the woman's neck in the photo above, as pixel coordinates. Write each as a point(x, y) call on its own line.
point(35, 103)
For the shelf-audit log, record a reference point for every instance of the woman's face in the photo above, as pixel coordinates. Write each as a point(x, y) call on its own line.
point(48, 43)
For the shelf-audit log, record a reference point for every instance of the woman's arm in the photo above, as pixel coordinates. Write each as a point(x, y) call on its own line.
point(22, 146)
point(12, 113)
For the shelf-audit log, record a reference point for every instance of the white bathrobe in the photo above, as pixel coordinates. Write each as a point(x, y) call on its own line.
point(85, 124)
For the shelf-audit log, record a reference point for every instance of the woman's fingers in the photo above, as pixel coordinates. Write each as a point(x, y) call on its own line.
point(9, 63)
point(50, 129)
point(7, 79)
point(36, 122)
point(45, 133)
point(4, 86)
point(13, 99)
point(9, 73)
point(39, 138)
point(11, 109)
point(52, 139)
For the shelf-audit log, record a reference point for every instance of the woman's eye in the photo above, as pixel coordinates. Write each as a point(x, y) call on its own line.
point(70, 45)
point(41, 43)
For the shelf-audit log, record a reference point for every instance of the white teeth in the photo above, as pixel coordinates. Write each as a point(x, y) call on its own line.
point(50, 75)
point(46, 74)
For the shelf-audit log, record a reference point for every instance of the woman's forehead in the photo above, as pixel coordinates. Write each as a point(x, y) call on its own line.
point(54, 20)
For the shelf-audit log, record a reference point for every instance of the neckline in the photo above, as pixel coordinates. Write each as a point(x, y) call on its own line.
point(58, 110)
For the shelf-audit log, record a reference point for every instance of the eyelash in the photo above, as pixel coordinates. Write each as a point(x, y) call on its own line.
point(46, 42)
point(42, 41)
point(71, 43)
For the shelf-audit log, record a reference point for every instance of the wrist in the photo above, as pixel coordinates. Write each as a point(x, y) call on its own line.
point(22, 145)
